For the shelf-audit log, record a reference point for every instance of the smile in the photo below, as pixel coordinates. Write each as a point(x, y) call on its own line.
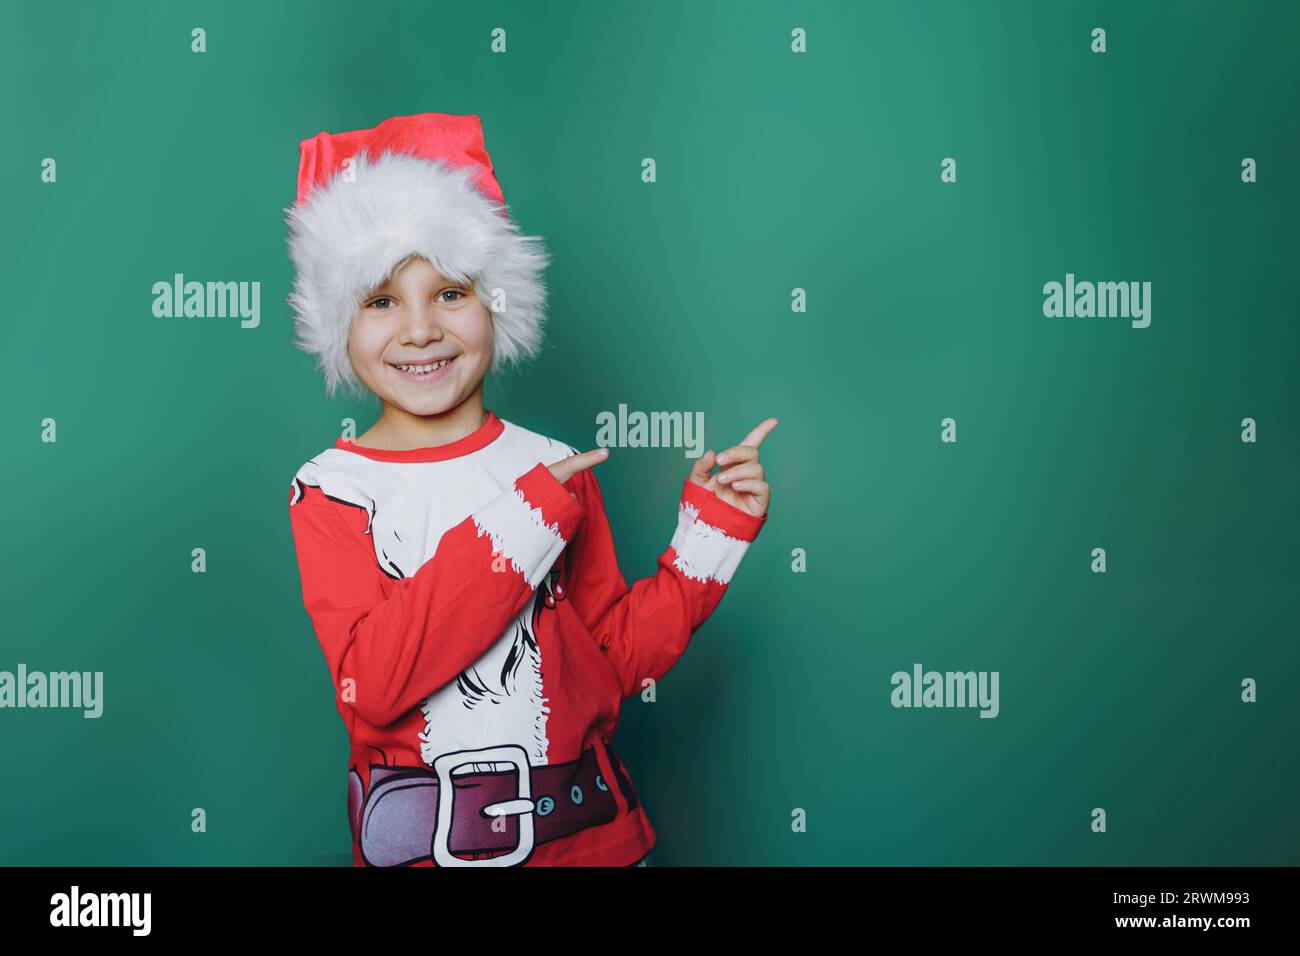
point(424, 373)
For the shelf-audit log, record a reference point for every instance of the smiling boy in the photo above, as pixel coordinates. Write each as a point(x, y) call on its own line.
point(458, 569)
point(454, 332)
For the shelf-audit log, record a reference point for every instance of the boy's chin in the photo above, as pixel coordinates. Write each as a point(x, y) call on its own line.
point(424, 402)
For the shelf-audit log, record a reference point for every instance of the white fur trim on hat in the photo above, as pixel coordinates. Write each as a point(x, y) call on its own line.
point(347, 236)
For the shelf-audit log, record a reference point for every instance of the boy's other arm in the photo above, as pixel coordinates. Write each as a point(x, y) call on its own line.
point(400, 640)
point(645, 629)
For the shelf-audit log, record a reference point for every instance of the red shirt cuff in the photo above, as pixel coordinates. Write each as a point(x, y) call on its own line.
point(541, 489)
point(726, 517)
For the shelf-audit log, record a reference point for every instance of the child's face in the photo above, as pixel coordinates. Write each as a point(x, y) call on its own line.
point(419, 318)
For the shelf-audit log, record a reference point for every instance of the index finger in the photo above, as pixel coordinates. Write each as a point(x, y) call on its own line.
point(755, 438)
point(566, 468)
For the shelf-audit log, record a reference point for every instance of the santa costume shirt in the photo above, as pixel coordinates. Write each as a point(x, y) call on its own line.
point(481, 639)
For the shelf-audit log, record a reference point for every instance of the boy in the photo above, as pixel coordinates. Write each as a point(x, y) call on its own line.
point(458, 569)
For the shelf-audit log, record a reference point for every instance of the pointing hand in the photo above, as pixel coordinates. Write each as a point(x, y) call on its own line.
point(566, 468)
point(740, 482)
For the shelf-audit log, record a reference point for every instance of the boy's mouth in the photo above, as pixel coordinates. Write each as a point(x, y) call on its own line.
point(425, 372)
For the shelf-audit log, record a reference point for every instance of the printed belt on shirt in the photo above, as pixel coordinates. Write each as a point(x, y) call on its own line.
point(412, 815)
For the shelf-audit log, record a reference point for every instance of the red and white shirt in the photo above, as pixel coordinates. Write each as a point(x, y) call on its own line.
point(478, 631)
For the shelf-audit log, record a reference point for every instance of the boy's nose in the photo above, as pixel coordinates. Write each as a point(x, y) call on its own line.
point(421, 322)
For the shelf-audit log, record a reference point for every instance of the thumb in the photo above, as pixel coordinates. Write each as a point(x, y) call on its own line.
point(703, 465)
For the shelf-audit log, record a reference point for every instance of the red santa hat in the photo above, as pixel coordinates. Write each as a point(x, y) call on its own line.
point(422, 185)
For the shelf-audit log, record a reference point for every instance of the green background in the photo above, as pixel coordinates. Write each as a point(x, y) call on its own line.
point(775, 171)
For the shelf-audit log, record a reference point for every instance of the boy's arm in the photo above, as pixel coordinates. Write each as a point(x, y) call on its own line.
point(400, 640)
point(643, 630)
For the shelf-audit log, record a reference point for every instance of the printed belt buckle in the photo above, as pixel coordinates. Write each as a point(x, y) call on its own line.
point(523, 805)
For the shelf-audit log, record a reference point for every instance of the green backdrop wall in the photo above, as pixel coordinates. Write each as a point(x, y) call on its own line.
point(776, 171)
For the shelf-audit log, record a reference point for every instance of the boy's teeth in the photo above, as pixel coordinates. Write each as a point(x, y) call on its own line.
point(423, 369)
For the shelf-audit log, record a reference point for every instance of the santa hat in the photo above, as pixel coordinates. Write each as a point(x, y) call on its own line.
point(419, 185)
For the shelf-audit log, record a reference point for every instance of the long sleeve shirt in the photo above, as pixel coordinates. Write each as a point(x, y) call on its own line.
point(477, 630)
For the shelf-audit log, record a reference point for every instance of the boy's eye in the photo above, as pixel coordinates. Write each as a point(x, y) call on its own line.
point(376, 302)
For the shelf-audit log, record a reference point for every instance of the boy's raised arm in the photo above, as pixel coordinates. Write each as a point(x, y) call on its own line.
point(399, 640)
point(643, 630)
